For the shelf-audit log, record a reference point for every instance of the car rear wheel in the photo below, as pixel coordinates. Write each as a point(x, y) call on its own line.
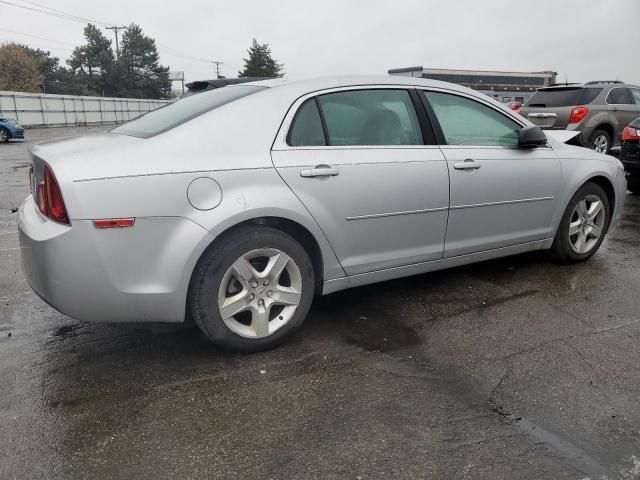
point(252, 290)
point(4, 135)
point(584, 224)
point(600, 141)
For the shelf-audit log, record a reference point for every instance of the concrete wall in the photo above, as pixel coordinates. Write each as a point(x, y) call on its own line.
point(40, 110)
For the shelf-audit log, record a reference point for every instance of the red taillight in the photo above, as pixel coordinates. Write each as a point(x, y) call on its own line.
point(578, 114)
point(630, 133)
point(50, 198)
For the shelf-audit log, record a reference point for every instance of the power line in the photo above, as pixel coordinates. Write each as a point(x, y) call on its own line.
point(36, 36)
point(54, 13)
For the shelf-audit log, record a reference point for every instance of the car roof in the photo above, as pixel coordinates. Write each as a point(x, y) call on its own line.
point(303, 86)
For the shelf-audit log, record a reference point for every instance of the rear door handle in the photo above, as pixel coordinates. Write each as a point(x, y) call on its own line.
point(468, 164)
point(320, 171)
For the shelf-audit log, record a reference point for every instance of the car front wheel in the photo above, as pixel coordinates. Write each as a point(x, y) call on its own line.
point(584, 224)
point(252, 290)
point(4, 135)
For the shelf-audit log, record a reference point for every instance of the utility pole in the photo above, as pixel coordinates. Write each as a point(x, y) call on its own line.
point(217, 64)
point(115, 29)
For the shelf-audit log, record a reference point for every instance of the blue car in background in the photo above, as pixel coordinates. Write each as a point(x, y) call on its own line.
point(10, 128)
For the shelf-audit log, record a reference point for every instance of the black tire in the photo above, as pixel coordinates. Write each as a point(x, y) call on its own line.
point(562, 249)
point(633, 183)
point(209, 273)
point(600, 133)
point(7, 135)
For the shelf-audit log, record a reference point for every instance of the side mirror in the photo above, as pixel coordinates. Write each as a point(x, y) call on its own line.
point(531, 137)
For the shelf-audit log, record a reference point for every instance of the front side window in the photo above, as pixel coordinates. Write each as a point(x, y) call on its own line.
point(467, 122)
point(635, 92)
point(619, 96)
point(370, 117)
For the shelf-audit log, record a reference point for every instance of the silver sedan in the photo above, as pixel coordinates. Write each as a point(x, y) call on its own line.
point(235, 207)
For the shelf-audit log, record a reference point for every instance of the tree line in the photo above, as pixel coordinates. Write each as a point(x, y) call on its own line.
point(95, 69)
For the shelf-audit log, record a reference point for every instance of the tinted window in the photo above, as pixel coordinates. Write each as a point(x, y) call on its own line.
point(182, 111)
point(563, 97)
point(467, 122)
point(619, 96)
point(635, 93)
point(307, 126)
point(370, 117)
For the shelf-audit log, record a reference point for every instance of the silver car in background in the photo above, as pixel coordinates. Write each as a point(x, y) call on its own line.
point(236, 206)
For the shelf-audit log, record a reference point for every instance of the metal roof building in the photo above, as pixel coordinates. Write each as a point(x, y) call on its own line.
point(504, 86)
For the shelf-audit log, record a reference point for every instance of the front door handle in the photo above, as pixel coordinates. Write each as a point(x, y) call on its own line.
point(320, 171)
point(468, 164)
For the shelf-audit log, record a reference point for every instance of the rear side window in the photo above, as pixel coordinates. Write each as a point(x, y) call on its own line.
point(177, 113)
point(467, 122)
point(563, 97)
point(306, 130)
point(370, 117)
point(619, 96)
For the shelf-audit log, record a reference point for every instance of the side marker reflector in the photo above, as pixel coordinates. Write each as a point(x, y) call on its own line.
point(114, 222)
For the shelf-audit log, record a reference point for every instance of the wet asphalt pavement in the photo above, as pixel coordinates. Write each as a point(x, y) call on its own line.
point(511, 369)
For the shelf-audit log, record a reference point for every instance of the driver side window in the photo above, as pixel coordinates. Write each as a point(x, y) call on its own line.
point(467, 122)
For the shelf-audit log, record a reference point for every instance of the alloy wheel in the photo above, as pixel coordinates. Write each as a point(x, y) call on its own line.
point(587, 224)
point(4, 136)
point(260, 293)
point(601, 144)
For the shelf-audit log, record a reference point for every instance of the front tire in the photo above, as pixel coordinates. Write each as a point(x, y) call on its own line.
point(252, 290)
point(583, 226)
point(4, 135)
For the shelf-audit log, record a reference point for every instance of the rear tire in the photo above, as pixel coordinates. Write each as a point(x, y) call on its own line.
point(252, 289)
point(583, 226)
point(600, 141)
point(633, 183)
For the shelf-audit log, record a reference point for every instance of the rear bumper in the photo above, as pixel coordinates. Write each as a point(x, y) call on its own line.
point(117, 275)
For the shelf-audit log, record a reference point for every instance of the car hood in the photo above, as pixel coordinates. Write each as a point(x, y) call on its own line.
point(562, 136)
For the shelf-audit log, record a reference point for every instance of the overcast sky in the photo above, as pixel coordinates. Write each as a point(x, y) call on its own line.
point(582, 39)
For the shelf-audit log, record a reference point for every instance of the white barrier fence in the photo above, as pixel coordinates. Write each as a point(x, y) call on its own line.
point(46, 110)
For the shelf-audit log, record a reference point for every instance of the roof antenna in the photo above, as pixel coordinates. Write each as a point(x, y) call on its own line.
point(566, 82)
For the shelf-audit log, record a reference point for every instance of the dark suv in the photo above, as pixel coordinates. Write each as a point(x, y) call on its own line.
point(600, 110)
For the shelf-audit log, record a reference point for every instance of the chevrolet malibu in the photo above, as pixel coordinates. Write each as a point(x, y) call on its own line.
point(237, 206)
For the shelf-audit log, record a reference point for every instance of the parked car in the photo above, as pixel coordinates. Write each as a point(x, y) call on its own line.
point(630, 154)
point(600, 110)
point(515, 106)
point(200, 86)
point(10, 128)
point(236, 206)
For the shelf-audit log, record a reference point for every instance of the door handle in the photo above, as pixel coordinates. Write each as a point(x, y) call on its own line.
point(468, 164)
point(320, 171)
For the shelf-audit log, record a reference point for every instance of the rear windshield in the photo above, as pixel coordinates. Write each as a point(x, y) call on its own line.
point(563, 97)
point(182, 111)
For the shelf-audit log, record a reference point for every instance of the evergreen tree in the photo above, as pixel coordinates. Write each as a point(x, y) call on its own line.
point(139, 66)
point(18, 70)
point(260, 63)
point(94, 61)
point(56, 78)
